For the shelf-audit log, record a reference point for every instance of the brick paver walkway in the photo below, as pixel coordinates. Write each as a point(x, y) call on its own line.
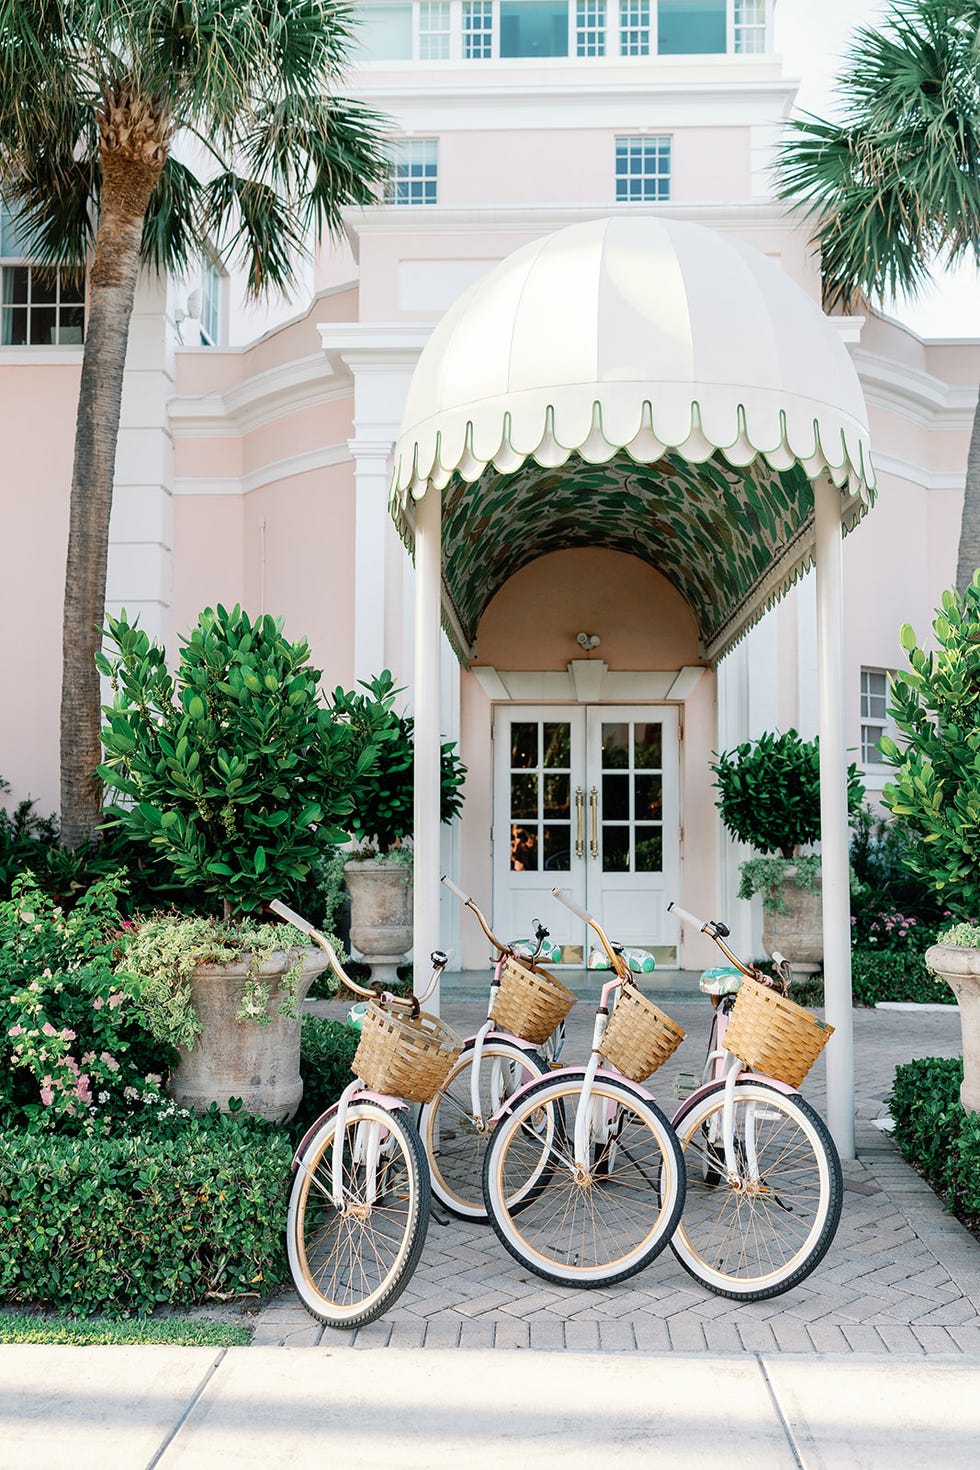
point(902, 1277)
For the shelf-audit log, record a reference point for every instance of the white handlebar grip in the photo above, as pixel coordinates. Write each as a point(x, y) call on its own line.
point(675, 908)
point(569, 904)
point(453, 889)
point(777, 958)
point(291, 918)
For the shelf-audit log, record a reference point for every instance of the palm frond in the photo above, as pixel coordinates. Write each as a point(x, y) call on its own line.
point(248, 218)
point(171, 229)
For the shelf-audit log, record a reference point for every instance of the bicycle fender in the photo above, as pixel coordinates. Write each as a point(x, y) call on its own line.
point(393, 1104)
point(608, 1073)
point(707, 1087)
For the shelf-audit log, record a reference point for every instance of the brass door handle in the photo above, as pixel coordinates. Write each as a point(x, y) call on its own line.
point(594, 804)
point(579, 822)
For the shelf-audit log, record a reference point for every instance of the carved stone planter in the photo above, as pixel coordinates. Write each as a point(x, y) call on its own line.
point(232, 1058)
point(381, 917)
point(960, 968)
point(796, 933)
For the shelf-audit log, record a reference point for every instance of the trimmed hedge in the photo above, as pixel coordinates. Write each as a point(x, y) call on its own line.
point(327, 1051)
point(129, 1222)
point(935, 1135)
point(888, 975)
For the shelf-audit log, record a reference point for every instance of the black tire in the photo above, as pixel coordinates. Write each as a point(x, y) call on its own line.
point(600, 1229)
point(350, 1265)
point(454, 1145)
point(753, 1242)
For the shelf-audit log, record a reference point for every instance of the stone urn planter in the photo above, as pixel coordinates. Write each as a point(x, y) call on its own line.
point(381, 895)
point(258, 1063)
point(960, 968)
point(797, 932)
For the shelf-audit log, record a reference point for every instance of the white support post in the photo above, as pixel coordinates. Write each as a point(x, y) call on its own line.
point(370, 539)
point(833, 815)
point(428, 606)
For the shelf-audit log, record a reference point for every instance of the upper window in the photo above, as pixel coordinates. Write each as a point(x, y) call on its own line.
point(414, 170)
point(38, 307)
point(642, 169)
point(875, 719)
point(691, 27)
point(482, 30)
point(211, 278)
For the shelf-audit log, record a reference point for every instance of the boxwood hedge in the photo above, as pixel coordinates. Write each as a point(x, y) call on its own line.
point(936, 1136)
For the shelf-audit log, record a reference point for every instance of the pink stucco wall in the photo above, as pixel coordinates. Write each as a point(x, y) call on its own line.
point(37, 421)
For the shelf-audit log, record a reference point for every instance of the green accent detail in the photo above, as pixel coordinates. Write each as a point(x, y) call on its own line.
point(720, 533)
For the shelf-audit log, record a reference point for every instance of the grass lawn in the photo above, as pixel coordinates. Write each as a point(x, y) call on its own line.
point(100, 1331)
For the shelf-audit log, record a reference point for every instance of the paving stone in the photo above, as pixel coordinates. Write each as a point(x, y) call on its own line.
point(828, 1337)
point(935, 1340)
point(373, 1335)
point(791, 1337)
point(898, 1338)
point(757, 1337)
point(651, 1333)
point(477, 1334)
point(582, 1336)
point(443, 1333)
point(510, 1334)
point(547, 1335)
point(863, 1339)
point(617, 1337)
point(686, 1336)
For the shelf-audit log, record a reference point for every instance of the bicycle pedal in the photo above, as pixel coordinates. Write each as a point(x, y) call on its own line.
point(684, 1084)
point(439, 1219)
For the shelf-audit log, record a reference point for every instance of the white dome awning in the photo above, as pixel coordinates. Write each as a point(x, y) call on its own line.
point(636, 341)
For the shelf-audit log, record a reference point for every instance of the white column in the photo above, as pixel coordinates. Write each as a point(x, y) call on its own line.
point(428, 604)
point(833, 815)
point(370, 547)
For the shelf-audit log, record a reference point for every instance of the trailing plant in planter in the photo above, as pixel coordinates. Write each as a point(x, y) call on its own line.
point(769, 797)
point(936, 793)
point(235, 773)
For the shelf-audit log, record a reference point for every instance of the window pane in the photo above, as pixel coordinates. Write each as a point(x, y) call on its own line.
point(870, 736)
point(524, 849)
point(690, 27)
point(649, 795)
point(533, 28)
point(557, 791)
point(615, 746)
point(557, 745)
point(523, 745)
point(434, 30)
point(615, 849)
point(590, 27)
point(71, 325)
point(634, 27)
point(385, 32)
point(43, 329)
point(648, 741)
point(558, 847)
point(10, 242)
point(649, 850)
point(16, 285)
point(616, 798)
point(13, 326)
point(477, 29)
point(642, 168)
point(524, 796)
point(414, 171)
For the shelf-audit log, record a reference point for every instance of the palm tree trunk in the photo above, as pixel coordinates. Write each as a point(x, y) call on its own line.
point(968, 557)
point(129, 176)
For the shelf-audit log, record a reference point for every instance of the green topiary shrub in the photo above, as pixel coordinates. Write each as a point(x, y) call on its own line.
point(769, 792)
point(326, 1052)
point(934, 1133)
point(185, 1214)
point(936, 790)
point(895, 975)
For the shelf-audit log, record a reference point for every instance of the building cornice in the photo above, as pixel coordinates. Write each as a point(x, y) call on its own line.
point(270, 474)
point(290, 387)
point(919, 397)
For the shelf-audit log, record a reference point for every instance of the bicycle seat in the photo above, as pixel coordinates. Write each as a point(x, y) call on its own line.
point(721, 980)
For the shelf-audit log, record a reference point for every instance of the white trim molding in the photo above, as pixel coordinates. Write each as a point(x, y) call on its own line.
point(270, 474)
point(588, 681)
point(305, 382)
point(918, 397)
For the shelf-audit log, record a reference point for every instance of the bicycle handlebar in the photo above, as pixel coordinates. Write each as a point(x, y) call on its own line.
point(439, 960)
point(569, 904)
point(463, 898)
point(619, 965)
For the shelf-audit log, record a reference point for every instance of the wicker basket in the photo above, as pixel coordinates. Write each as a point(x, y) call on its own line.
point(405, 1057)
point(529, 1003)
point(639, 1037)
point(774, 1035)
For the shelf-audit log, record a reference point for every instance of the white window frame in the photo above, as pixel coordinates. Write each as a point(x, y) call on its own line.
point(212, 318)
point(590, 22)
point(25, 262)
point(427, 153)
point(870, 758)
point(656, 140)
point(635, 24)
point(738, 30)
point(432, 22)
point(492, 32)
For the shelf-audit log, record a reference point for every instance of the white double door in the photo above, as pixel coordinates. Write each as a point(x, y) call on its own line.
point(586, 799)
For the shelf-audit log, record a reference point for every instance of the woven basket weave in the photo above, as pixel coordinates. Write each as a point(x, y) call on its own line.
point(405, 1057)
point(639, 1037)
point(529, 1003)
point(774, 1035)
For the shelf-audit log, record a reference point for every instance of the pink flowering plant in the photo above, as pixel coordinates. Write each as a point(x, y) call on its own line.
point(76, 1051)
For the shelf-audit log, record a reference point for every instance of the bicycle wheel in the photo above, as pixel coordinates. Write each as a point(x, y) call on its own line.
point(348, 1265)
point(760, 1237)
point(454, 1145)
point(608, 1223)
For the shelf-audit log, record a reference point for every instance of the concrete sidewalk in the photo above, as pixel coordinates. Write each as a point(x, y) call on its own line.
point(164, 1408)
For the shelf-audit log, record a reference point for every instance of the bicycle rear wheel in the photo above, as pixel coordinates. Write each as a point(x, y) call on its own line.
point(765, 1233)
point(605, 1225)
point(350, 1264)
point(454, 1144)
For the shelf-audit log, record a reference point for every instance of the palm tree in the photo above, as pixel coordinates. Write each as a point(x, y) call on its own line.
point(94, 95)
point(895, 186)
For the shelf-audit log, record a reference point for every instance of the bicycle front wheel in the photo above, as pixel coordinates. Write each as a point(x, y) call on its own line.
point(349, 1264)
point(760, 1234)
point(454, 1142)
point(595, 1226)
